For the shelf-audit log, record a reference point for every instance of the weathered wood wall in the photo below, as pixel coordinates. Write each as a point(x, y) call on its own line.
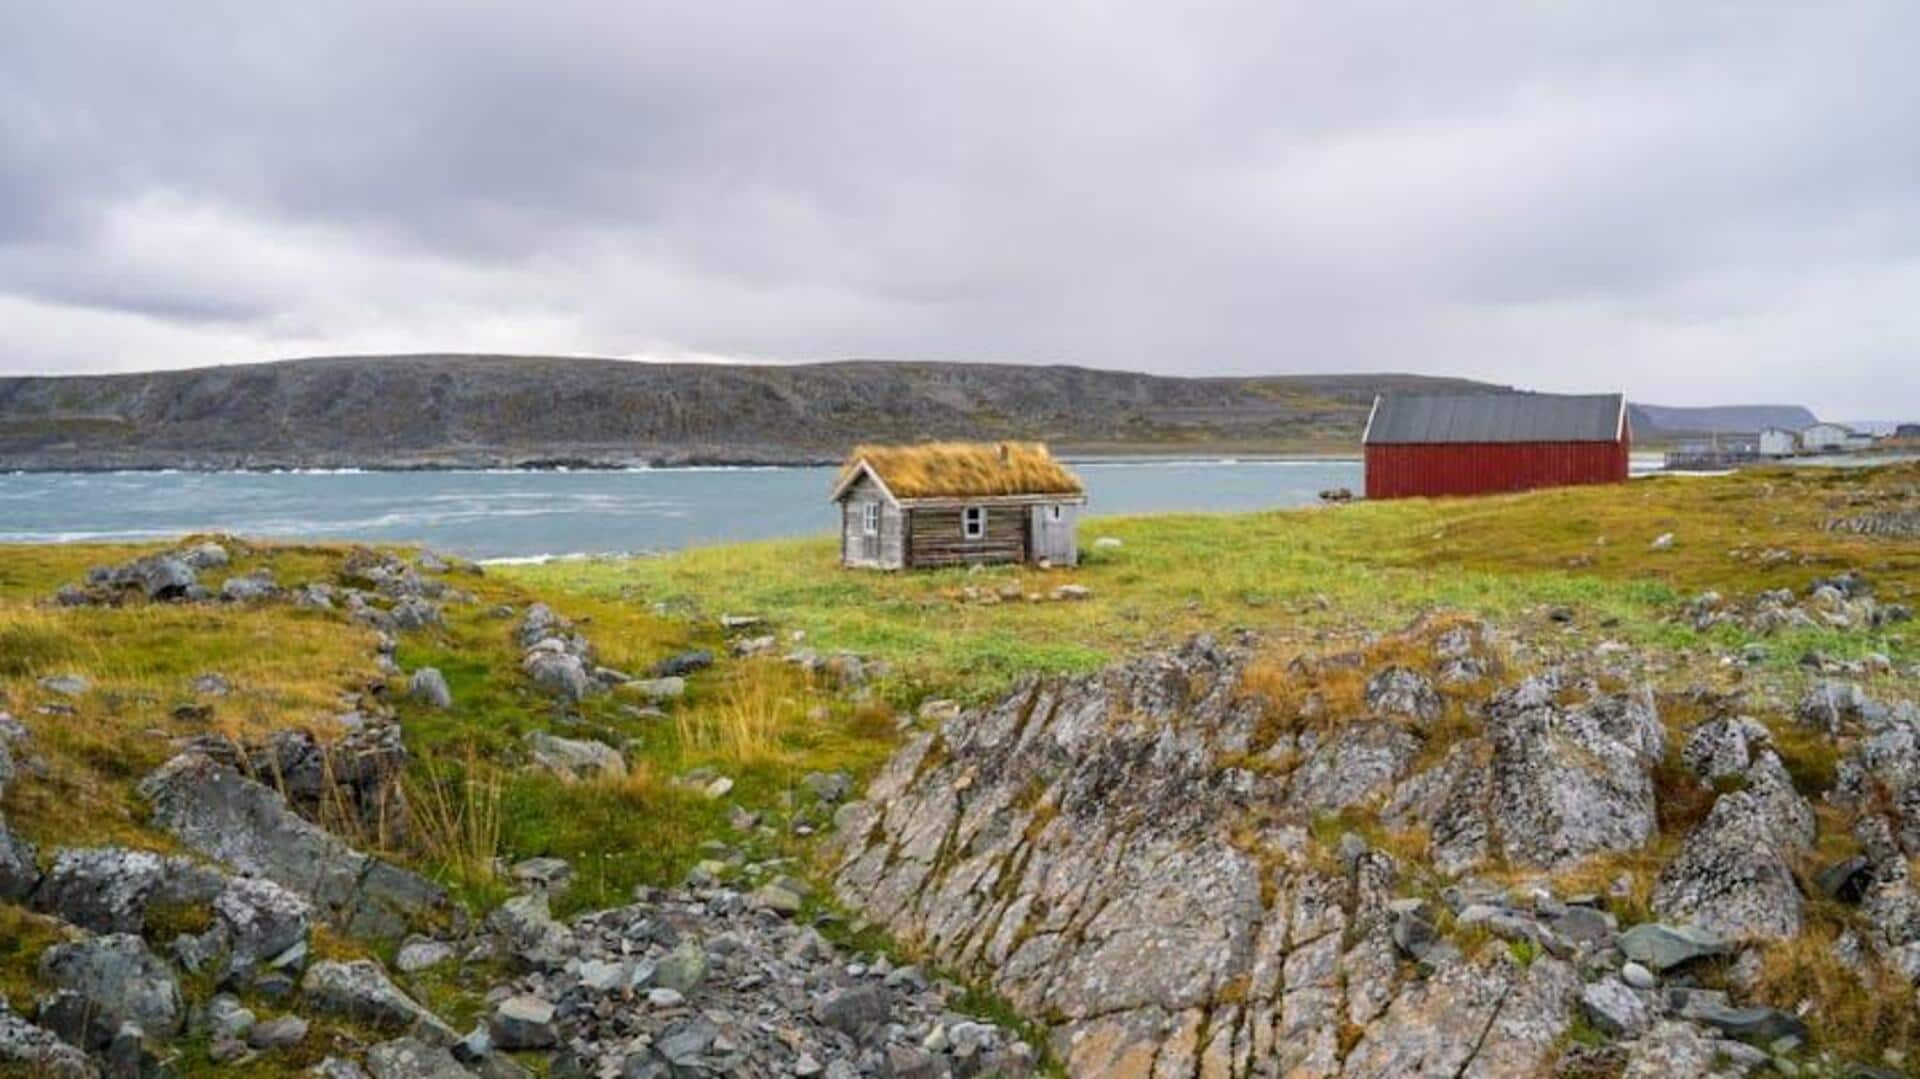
point(1054, 539)
point(934, 537)
point(853, 542)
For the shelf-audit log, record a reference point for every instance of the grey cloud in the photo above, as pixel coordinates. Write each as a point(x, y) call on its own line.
point(1700, 202)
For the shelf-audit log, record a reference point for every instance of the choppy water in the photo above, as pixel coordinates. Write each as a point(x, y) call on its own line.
point(534, 514)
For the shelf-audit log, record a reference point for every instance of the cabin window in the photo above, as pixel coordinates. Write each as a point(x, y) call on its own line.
point(1053, 511)
point(870, 518)
point(973, 522)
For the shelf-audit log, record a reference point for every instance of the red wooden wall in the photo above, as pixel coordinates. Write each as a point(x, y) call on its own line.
point(1471, 468)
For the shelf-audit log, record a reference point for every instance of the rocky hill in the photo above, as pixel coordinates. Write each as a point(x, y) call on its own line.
point(415, 411)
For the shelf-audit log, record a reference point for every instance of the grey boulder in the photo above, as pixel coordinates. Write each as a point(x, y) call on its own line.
point(360, 990)
point(37, 1051)
point(429, 687)
point(119, 981)
point(524, 1022)
point(1662, 947)
point(411, 1058)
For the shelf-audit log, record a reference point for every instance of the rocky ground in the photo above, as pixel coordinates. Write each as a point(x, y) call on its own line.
point(1394, 860)
point(228, 954)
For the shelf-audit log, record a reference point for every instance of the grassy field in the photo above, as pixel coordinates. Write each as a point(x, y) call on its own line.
point(1301, 577)
point(1369, 566)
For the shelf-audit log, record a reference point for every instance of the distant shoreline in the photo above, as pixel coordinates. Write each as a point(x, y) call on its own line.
point(716, 465)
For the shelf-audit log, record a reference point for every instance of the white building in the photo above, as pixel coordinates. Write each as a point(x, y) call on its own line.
point(1778, 442)
point(1826, 437)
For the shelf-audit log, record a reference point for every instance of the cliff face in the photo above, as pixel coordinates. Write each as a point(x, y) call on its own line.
point(411, 411)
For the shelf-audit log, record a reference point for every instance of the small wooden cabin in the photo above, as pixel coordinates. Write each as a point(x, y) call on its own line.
point(957, 503)
point(1423, 445)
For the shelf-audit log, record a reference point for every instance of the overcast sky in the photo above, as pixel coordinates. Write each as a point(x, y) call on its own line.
point(1697, 202)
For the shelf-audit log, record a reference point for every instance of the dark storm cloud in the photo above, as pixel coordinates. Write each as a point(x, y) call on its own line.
point(1700, 202)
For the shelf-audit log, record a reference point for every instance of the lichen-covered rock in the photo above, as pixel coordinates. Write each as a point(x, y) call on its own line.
point(1725, 747)
point(361, 991)
point(1403, 693)
point(19, 866)
point(248, 826)
point(1734, 874)
point(1546, 786)
point(1882, 773)
point(1094, 849)
point(110, 889)
point(411, 1058)
point(575, 758)
point(35, 1051)
point(558, 673)
point(118, 981)
point(429, 686)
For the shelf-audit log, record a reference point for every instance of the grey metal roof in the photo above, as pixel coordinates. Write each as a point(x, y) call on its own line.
point(1496, 417)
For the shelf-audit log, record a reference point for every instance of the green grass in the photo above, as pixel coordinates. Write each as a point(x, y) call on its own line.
point(1372, 565)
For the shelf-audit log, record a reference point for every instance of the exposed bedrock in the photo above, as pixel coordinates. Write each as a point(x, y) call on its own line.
point(1129, 857)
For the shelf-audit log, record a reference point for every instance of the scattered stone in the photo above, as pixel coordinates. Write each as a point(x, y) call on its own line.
point(1662, 947)
point(1757, 1026)
point(682, 664)
point(421, 953)
point(667, 688)
point(360, 991)
point(550, 875)
point(411, 1058)
point(559, 673)
point(66, 685)
point(429, 686)
point(829, 787)
point(855, 1011)
point(1616, 1009)
point(1070, 592)
point(1637, 975)
point(523, 1022)
point(1848, 879)
point(683, 968)
point(1107, 543)
point(575, 758)
point(1662, 542)
point(284, 1032)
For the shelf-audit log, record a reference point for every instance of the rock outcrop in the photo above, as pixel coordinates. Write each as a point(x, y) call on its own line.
point(1099, 851)
point(216, 811)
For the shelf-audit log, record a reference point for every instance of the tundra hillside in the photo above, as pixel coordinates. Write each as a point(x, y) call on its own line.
point(1601, 780)
point(491, 411)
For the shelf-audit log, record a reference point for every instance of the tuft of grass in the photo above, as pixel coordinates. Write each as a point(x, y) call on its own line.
point(23, 936)
point(1857, 1009)
point(456, 824)
point(746, 727)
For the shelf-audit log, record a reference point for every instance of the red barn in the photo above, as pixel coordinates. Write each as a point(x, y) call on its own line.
point(1482, 443)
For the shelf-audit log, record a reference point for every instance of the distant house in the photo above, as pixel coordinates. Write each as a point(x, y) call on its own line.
point(956, 503)
point(1480, 443)
point(1826, 437)
point(1778, 442)
point(1907, 431)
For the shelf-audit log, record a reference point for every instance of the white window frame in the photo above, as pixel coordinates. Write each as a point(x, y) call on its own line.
point(973, 522)
point(870, 518)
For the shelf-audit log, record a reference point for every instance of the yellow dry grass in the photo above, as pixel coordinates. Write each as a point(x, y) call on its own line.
point(966, 469)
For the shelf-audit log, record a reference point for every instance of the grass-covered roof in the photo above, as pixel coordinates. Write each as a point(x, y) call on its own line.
point(963, 470)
